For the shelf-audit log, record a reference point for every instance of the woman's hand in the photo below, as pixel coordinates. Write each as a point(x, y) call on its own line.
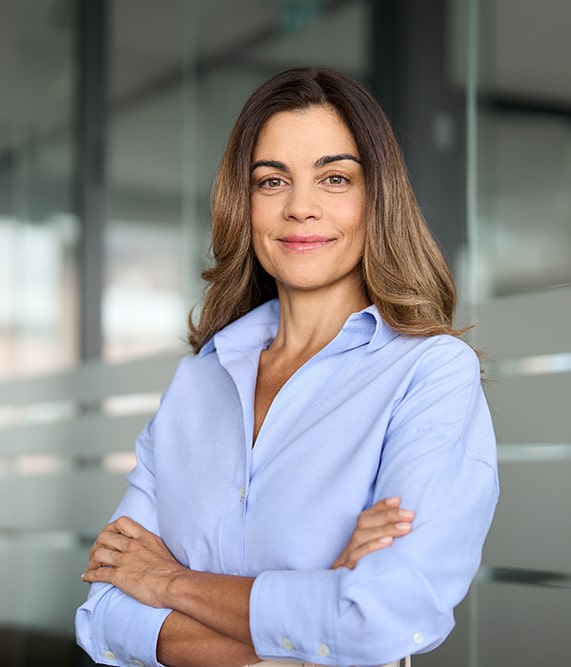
point(209, 624)
point(133, 559)
point(376, 529)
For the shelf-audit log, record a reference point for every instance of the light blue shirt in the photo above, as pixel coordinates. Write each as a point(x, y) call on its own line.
point(373, 414)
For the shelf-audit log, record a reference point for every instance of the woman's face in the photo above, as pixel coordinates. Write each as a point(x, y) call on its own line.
point(308, 202)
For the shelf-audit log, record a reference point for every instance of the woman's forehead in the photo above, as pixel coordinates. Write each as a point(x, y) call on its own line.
point(317, 128)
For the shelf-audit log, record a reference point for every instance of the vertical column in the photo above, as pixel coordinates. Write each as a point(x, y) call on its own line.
point(388, 53)
point(410, 78)
point(90, 181)
point(90, 175)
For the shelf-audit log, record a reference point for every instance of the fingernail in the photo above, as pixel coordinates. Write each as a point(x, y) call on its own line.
point(392, 500)
point(402, 525)
point(83, 575)
point(385, 540)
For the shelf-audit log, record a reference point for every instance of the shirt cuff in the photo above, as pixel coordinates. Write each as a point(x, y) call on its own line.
point(339, 617)
point(115, 629)
point(292, 614)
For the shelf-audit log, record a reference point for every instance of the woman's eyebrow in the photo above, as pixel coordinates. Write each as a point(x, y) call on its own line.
point(321, 162)
point(328, 159)
point(274, 164)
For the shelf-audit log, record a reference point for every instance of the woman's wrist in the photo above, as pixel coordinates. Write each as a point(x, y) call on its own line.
point(177, 591)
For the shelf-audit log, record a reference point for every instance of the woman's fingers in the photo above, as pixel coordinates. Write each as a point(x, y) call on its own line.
point(383, 504)
point(350, 557)
point(383, 518)
point(121, 537)
point(376, 529)
point(393, 528)
point(373, 535)
point(110, 540)
point(381, 507)
point(135, 560)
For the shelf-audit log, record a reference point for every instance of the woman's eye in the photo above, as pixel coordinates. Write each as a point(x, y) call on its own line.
point(272, 182)
point(337, 179)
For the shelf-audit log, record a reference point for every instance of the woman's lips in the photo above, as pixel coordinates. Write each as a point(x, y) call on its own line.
point(298, 243)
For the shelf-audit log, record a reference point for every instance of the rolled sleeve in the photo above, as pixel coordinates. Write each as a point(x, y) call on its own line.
point(135, 626)
point(345, 617)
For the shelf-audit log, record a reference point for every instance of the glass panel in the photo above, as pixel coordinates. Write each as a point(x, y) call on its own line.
point(525, 200)
point(143, 303)
point(179, 78)
point(523, 625)
point(38, 232)
point(38, 311)
point(524, 149)
point(519, 190)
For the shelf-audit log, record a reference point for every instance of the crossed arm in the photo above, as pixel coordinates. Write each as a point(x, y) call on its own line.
point(209, 624)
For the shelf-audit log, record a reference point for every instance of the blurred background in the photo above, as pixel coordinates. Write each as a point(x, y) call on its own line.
point(113, 116)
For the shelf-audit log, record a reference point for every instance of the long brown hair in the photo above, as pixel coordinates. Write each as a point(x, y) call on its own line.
point(403, 269)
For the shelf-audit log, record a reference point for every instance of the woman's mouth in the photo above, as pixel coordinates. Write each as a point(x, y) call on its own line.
point(304, 243)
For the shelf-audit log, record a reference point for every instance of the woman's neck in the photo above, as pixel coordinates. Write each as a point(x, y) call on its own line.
point(309, 320)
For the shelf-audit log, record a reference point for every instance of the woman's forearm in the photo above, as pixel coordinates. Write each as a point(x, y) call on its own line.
point(185, 642)
point(220, 602)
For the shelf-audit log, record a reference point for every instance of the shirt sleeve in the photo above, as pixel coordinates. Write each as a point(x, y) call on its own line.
point(439, 457)
point(113, 628)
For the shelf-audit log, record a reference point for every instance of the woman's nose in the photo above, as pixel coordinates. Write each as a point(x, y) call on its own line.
point(302, 203)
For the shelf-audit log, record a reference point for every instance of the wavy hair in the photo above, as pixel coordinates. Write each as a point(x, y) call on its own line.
point(403, 268)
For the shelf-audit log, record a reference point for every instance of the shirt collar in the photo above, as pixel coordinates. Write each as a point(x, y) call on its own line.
point(255, 330)
point(258, 328)
point(369, 325)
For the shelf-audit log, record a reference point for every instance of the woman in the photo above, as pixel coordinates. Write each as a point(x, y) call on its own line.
point(328, 376)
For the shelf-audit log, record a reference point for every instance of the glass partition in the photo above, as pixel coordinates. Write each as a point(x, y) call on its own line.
point(38, 231)
point(524, 146)
point(519, 225)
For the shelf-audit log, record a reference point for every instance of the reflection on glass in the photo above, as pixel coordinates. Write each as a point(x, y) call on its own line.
point(524, 147)
point(525, 224)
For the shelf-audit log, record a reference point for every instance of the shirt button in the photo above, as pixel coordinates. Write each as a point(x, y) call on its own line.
point(242, 492)
point(418, 638)
point(323, 650)
point(138, 663)
point(287, 644)
point(109, 655)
